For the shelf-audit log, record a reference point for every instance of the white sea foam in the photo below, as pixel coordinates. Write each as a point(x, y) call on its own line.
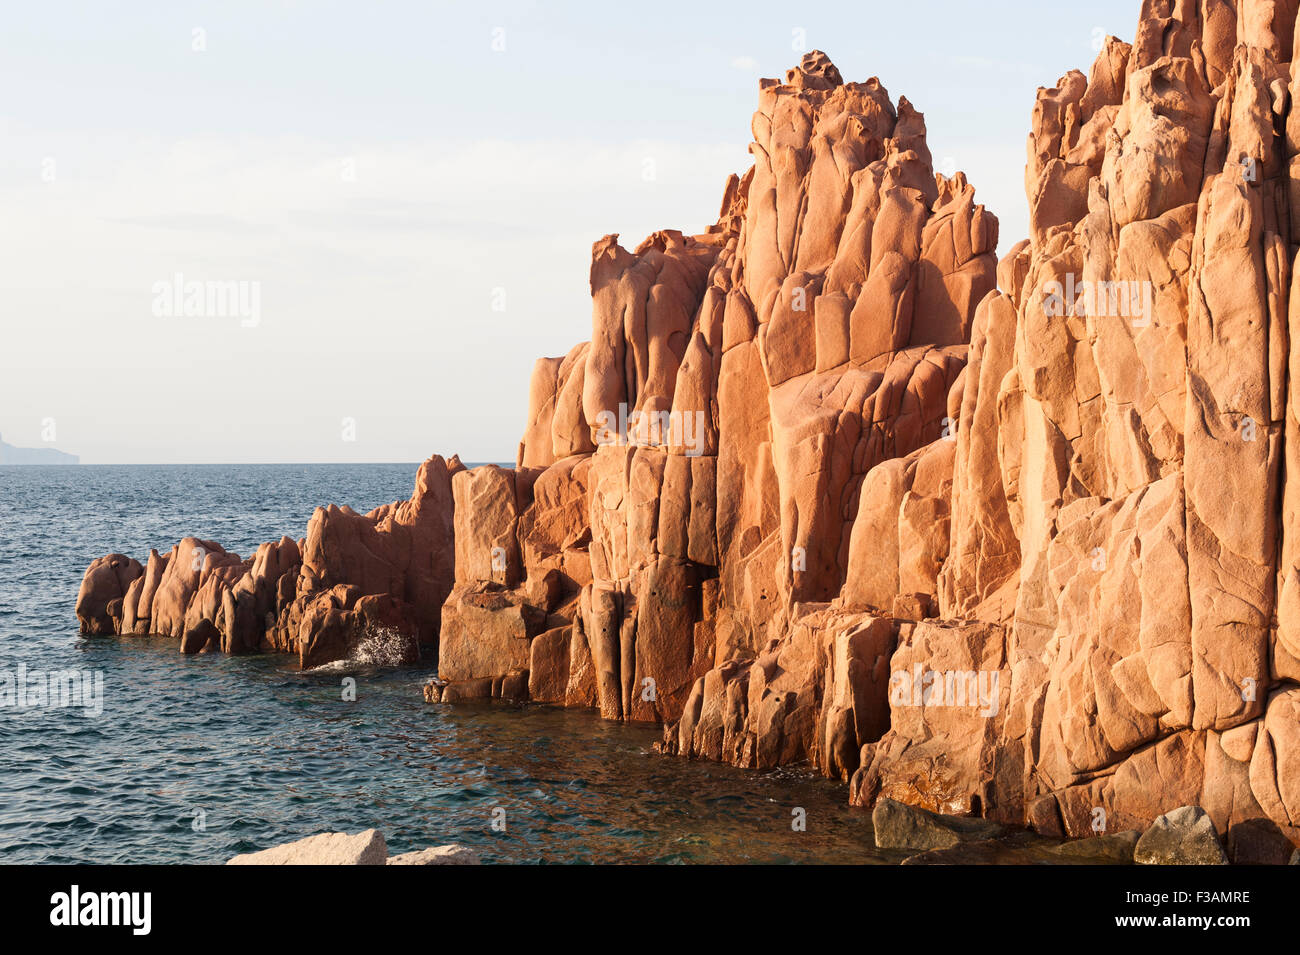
point(378, 647)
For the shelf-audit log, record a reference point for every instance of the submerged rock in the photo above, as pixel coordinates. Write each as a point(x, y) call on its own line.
point(900, 826)
point(438, 855)
point(1024, 848)
point(1115, 848)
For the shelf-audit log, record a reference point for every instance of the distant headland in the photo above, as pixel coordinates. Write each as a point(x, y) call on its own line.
point(12, 455)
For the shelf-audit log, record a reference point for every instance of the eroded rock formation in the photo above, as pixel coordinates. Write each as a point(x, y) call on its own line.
point(831, 484)
point(373, 581)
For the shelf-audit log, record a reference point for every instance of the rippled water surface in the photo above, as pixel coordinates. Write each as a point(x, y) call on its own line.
point(260, 753)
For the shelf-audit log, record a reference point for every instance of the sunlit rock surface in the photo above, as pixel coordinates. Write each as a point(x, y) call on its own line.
point(831, 484)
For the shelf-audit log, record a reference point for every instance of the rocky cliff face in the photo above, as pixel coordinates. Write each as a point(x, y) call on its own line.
point(831, 484)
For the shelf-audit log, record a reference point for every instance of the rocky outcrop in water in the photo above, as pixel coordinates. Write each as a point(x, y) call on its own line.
point(1010, 539)
point(357, 582)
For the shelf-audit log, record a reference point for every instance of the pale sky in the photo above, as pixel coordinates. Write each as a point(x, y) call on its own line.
point(411, 190)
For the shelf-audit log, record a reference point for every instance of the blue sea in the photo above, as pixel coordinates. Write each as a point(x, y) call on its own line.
point(195, 759)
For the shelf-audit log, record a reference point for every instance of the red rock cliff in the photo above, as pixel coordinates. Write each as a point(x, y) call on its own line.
point(829, 483)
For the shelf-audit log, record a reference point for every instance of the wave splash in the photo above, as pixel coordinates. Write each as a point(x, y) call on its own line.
point(378, 646)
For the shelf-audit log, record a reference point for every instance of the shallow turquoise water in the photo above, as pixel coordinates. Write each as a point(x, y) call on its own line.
point(194, 759)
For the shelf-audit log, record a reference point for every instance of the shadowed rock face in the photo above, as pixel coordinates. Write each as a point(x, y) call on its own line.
point(831, 484)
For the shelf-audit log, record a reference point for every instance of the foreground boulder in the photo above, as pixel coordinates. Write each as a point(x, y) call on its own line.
point(364, 848)
point(1184, 836)
point(328, 848)
point(437, 855)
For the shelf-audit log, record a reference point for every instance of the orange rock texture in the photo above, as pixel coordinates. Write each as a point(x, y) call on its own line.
point(830, 483)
